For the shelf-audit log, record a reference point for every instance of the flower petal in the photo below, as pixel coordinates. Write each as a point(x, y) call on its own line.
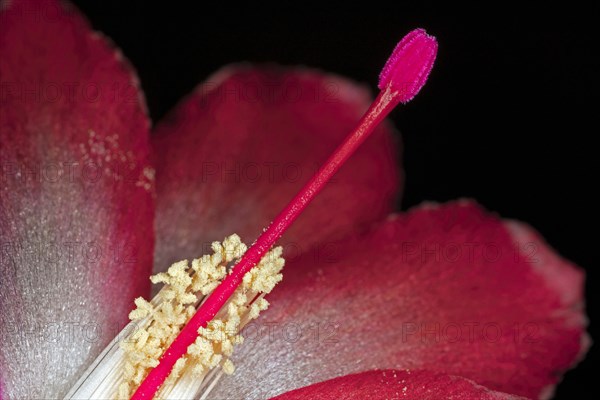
point(76, 201)
point(235, 152)
point(445, 288)
point(392, 384)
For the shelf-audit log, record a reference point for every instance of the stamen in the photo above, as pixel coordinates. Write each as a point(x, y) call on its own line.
point(402, 78)
point(128, 359)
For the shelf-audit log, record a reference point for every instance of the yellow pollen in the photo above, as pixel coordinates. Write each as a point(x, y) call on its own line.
point(185, 286)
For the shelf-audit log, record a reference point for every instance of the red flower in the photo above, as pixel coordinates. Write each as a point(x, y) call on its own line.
point(445, 291)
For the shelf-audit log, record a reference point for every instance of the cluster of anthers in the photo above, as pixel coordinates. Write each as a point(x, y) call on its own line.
point(160, 321)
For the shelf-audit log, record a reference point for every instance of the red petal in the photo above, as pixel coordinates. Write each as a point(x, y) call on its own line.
point(396, 385)
point(236, 151)
point(444, 288)
point(76, 196)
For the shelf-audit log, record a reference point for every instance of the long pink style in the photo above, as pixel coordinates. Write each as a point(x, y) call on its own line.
point(402, 78)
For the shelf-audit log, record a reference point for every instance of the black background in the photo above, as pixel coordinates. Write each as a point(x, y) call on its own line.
point(507, 116)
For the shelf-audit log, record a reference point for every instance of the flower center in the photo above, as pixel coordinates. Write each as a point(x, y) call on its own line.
point(156, 324)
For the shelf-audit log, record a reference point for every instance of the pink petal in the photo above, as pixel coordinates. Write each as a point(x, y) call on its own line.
point(76, 201)
point(396, 385)
point(234, 153)
point(445, 288)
